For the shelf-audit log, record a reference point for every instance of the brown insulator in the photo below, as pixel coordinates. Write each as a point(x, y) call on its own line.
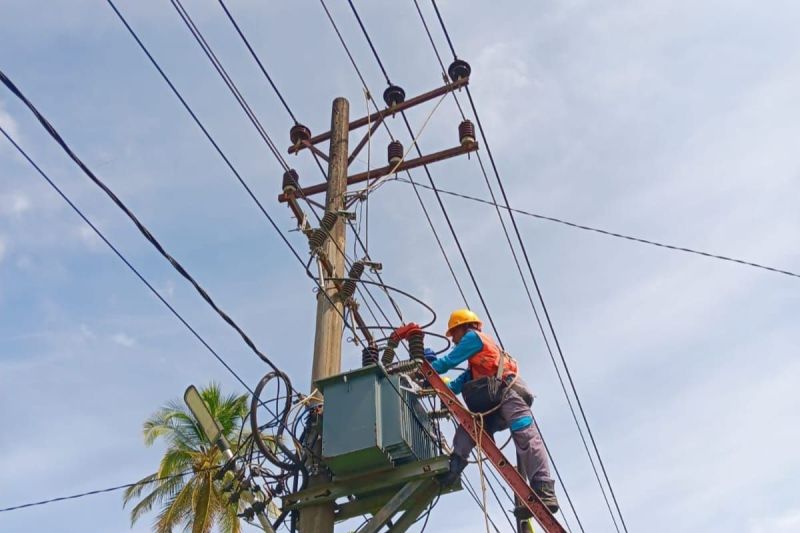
point(349, 286)
point(388, 353)
point(395, 152)
point(299, 133)
point(394, 95)
point(416, 345)
point(459, 69)
point(369, 356)
point(291, 181)
point(466, 133)
point(320, 235)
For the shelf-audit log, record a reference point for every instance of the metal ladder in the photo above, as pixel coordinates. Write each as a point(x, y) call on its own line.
point(462, 416)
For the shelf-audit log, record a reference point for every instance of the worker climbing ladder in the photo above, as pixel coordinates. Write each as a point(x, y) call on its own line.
point(489, 449)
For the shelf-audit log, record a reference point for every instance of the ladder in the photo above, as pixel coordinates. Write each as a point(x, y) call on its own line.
point(463, 418)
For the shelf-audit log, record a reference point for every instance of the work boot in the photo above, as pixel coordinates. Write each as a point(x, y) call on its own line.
point(457, 465)
point(546, 491)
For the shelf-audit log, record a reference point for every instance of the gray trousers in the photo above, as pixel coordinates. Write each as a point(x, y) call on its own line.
point(513, 411)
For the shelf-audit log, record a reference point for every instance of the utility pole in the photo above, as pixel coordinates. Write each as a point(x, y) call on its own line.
point(330, 308)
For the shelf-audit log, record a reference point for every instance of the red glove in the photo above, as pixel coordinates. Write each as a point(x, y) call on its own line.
point(404, 331)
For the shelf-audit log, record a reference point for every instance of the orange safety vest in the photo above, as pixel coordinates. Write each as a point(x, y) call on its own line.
point(485, 362)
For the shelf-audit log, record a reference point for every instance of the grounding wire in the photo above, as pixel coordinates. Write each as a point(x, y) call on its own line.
point(535, 282)
point(216, 146)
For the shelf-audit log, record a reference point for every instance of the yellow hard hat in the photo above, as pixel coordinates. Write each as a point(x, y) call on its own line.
point(459, 317)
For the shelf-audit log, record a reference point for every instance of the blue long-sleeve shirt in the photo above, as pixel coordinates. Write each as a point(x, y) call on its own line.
point(469, 345)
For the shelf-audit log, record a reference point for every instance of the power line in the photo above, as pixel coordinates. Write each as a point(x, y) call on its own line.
point(447, 218)
point(217, 148)
point(220, 69)
point(103, 491)
point(141, 227)
point(614, 234)
point(430, 179)
point(533, 277)
point(124, 259)
point(386, 126)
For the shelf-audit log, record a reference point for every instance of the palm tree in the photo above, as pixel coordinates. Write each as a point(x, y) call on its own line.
point(193, 501)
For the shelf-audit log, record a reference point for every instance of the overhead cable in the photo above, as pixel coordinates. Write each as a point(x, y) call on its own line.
point(102, 491)
point(612, 233)
point(119, 254)
point(386, 126)
point(533, 277)
point(217, 148)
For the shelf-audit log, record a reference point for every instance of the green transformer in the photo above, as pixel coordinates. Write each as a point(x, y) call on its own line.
point(371, 422)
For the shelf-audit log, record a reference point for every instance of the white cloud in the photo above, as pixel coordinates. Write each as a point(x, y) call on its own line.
point(786, 523)
point(3, 247)
point(8, 123)
point(123, 340)
point(14, 203)
point(89, 237)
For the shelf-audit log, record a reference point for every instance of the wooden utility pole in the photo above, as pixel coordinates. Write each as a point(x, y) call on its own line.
point(330, 308)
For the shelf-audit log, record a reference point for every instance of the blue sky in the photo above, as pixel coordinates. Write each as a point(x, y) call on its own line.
point(675, 121)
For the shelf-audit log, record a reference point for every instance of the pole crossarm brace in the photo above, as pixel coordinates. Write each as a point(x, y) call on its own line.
point(389, 111)
point(505, 468)
point(389, 169)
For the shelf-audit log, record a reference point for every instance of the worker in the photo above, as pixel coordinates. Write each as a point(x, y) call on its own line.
point(483, 358)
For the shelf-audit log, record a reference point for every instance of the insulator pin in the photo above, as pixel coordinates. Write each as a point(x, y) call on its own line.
point(466, 133)
point(459, 69)
point(394, 95)
point(439, 414)
point(319, 235)
point(416, 345)
point(395, 152)
point(291, 181)
point(369, 356)
point(299, 133)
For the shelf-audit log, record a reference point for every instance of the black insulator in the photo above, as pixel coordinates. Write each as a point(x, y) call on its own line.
point(369, 356)
point(394, 95)
point(416, 345)
point(388, 353)
point(349, 286)
point(395, 152)
point(299, 133)
point(466, 133)
point(319, 235)
point(291, 181)
point(356, 270)
point(459, 69)
point(328, 221)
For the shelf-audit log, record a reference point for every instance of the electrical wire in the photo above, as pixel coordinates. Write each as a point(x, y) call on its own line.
point(609, 233)
point(119, 254)
point(535, 282)
point(430, 180)
point(139, 225)
point(219, 151)
point(103, 491)
point(444, 211)
point(386, 126)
